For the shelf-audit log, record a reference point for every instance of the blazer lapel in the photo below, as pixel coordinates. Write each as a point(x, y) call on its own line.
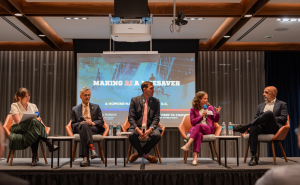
point(91, 109)
point(80, 110)
point(276, 106)
point(141, 103)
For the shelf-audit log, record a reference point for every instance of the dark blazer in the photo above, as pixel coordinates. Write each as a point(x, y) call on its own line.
point(136, 112)
point(196, 118)
point(280, 112)
point(96, 116)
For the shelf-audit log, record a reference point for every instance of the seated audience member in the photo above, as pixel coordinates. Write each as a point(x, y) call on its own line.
point(203, 123)
point(87, 120)
point(27, 133)
point(288, 174)
point(269, 118)
point(144, 110)
point(4, 178)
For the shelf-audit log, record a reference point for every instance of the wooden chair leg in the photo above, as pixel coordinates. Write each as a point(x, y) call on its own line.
point(157, 150)
point(185, 156)
point(282, 151)
point(43, 151)
point(258, 148)
point(216, 150)
point(37, 156)
point(211, 151)
point(101, 152)
point(246, 153)
point(11, 157)
point(273, 150)
point(128, 153)
point(74, 150)
point(8, 156)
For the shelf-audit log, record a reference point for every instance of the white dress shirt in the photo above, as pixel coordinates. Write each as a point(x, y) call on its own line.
point(17, 108)
point(269, 105)
point(204, 119)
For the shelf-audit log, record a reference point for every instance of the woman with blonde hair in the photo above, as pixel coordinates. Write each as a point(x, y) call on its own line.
point(202, 121)
point(27, 133)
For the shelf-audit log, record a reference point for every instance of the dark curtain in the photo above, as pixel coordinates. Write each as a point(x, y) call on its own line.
point(282, 71)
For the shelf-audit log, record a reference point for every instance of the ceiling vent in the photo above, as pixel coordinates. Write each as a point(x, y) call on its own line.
point(251, 29)
point(16, 27)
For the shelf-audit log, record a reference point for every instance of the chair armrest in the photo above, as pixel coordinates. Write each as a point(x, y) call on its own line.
point(47, 129)
point(182, 132)
point(218, 129)
point(7, 131)
point(69, 130)
point(163, 131)
point(105, 126)
point(281, 133)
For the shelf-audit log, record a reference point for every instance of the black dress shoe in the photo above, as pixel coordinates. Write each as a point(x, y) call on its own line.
point(253, 161)
point(51, 147)
point(93, 154)
point(85, 162)
point(240, 128)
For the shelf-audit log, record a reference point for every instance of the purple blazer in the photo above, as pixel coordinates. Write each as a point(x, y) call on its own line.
point(196, 118)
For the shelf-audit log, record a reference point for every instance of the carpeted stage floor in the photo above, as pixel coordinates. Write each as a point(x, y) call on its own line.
point(171, 171)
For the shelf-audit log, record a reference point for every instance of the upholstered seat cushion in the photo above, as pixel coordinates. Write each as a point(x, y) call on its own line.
point(209, 138)
point(262, 137)
point(96, 138)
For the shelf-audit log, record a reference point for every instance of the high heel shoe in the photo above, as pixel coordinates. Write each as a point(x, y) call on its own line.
point(51, 147)
point(184, 149)
point(34, 159)
point(194, 162)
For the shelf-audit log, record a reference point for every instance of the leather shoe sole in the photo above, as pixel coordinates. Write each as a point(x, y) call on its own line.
point(239, 128)
point(84, 164)
point(133, 157)
point(94, 156)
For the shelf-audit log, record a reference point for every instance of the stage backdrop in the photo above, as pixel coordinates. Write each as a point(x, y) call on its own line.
point(282, 71)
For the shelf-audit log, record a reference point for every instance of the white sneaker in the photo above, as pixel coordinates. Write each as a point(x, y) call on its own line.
point(184, 149)
point(194, 163)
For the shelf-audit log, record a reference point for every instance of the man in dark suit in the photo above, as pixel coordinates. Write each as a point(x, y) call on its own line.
point(4, 178)
point(87, 120)
point(269, 118)
point(144, 111)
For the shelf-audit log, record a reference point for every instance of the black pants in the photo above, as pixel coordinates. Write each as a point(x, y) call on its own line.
point(134, 140)
point(270, 127)
point(35, 146)
point(86, 131)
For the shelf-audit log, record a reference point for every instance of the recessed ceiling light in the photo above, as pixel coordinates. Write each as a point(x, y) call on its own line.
point(18, 14)
point(67, 18)
point(248, 15)
point(268, 37)
point(84, 18)
point(76, 18)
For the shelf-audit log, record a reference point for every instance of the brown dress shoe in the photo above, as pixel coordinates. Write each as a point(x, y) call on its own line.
point(134, 157)
point(152, 159)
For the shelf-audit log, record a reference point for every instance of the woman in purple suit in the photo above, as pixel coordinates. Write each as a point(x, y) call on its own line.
point(202, 121)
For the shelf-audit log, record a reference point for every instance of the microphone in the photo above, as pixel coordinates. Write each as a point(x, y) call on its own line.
point(205, 108)
point(143, 128)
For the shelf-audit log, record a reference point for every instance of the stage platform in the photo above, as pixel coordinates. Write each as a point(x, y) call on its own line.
point(172, 171)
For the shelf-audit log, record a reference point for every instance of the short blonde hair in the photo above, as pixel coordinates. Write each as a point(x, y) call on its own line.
point(84, 89)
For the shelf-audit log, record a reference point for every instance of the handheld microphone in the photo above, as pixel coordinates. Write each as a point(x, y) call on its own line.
point(205, 108)
point(143, 128)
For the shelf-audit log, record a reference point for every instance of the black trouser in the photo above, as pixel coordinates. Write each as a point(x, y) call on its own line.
point(270, 127)
point(35, 146)
point(134, 140)
point(86, 131)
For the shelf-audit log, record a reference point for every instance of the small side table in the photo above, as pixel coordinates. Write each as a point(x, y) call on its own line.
point(58, 139)
point(225, 138)
point(114, 138)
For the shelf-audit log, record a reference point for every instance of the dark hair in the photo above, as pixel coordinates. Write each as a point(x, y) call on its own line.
point(196, 103)
point(20, 93)
point(146, 84)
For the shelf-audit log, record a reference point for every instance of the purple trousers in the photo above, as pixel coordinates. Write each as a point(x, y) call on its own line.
point(197, 133)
